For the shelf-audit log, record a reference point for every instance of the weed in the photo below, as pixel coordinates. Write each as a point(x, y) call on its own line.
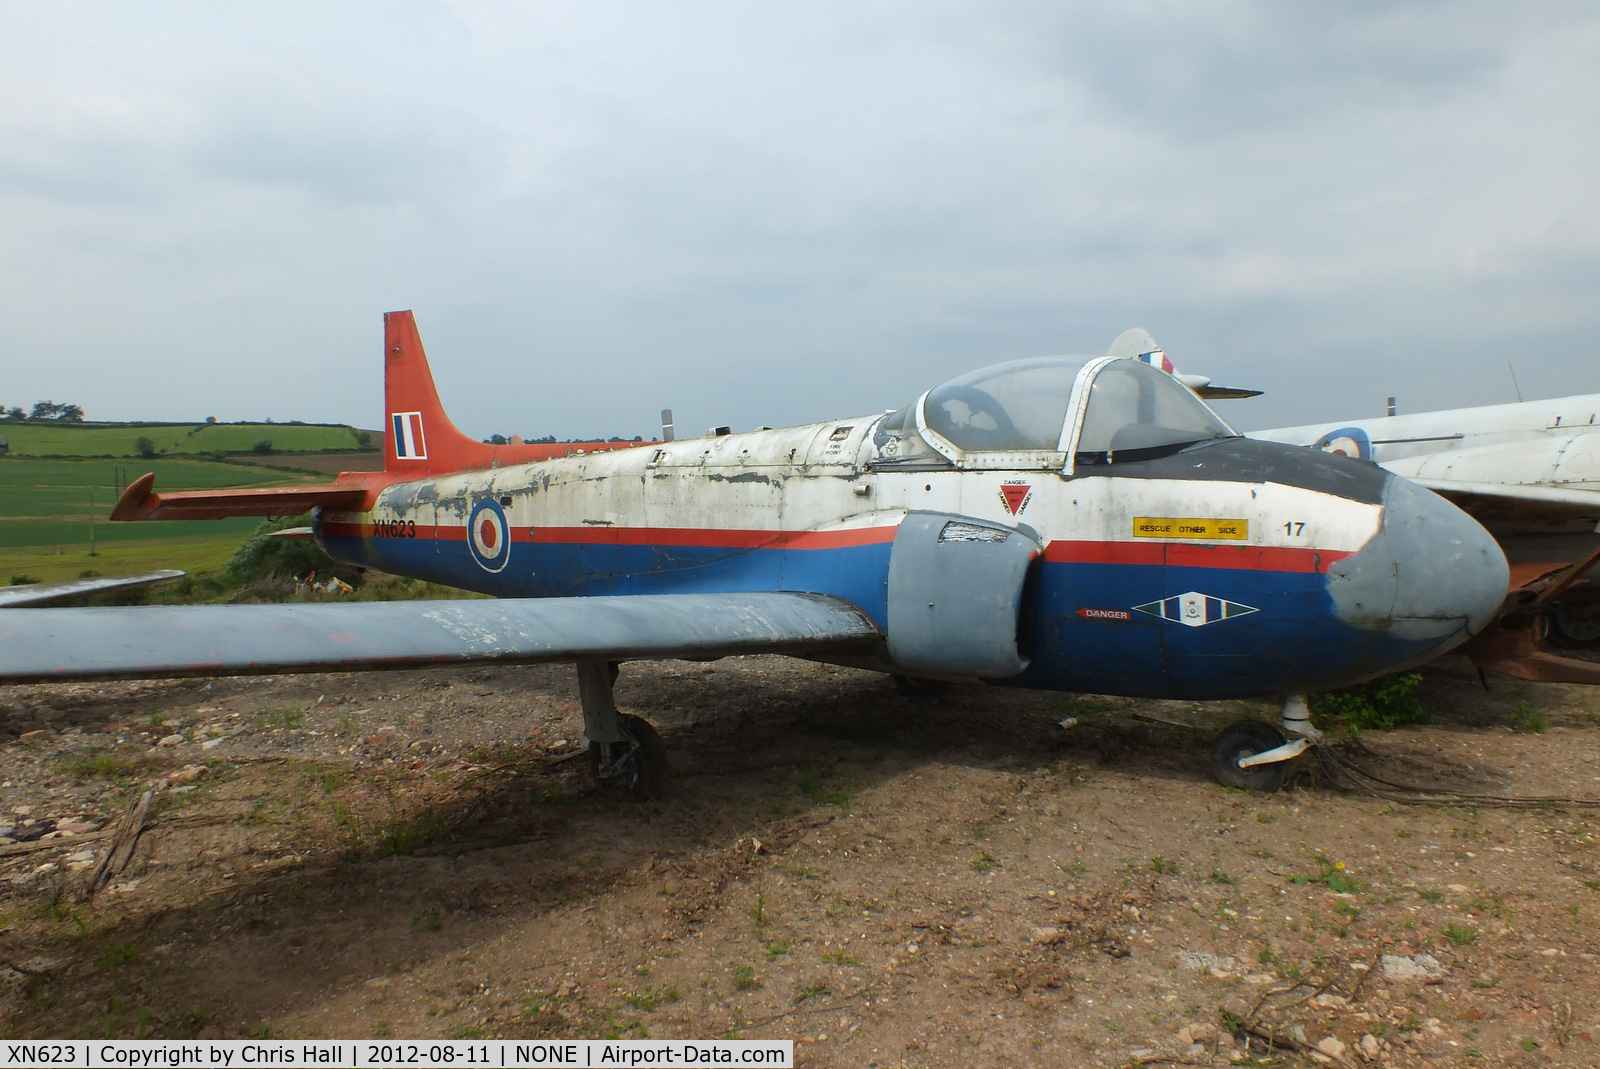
point(463, 1032)
point(113, 957)
point(758, 911)
point(1429, 895)
point(1404, 833)
point(1162, 867)
point(744, 978)
point(397, 840)
point(1220, 877)
point(287, 717)
point(1527, 722)
point(776, 949)
point(1349, 909)
point(647, 1000)
point(812, 992)
point(814, 789)
point(1460, 935)
point(108, 765)
point(1484, 982)
point(431, 921)
point(1265, 818)
point(384, 1030)
point(984, 862)
point(839, 959)
point(1331, 874)
point(1082, 707)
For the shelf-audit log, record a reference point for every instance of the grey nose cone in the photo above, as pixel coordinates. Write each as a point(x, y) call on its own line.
point(1431, 574)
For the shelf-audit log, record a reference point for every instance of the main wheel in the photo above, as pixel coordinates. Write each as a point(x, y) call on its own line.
point(1246, 739)
point(637, 767)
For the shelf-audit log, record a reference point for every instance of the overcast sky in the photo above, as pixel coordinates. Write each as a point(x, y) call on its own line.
point(777, 213)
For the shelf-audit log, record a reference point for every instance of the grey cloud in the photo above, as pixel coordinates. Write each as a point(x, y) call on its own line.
point(1196, 70)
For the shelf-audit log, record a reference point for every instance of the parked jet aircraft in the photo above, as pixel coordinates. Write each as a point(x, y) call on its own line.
point(1080, 525)
point(1530, 473)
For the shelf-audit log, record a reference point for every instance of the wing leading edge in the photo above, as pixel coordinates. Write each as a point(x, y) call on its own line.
point(48, 645)
point(1531, 503)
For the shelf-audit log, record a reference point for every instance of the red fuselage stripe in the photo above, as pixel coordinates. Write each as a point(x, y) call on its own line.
point(1064, 551)
point(1190, 555)
point(639, 536)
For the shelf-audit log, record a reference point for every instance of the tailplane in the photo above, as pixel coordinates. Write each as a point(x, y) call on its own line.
point(419, 437)
point(1136, 343)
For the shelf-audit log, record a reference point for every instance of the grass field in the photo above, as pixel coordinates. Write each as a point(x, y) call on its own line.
point(45, 513)
point(199, 556)
point(120, 439)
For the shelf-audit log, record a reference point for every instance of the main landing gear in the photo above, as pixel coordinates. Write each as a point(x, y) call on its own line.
point(625, 752)
point(1251, 754)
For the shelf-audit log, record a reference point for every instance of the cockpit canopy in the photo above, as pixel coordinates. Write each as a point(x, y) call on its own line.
point(1019, 405)
point(1036, 413)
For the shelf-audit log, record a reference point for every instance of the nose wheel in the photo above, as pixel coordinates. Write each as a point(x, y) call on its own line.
point(1251, 754)
point(1242, 740)
point(626, 753)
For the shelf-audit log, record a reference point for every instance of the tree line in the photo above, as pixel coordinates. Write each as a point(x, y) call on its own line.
point(44, 411)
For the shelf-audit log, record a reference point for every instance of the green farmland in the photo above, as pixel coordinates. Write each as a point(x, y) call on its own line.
point(45, 511)
point(51, 439)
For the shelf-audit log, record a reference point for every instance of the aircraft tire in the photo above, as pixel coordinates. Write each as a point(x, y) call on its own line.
point(648, 781)
point(1576, 624)
point(1244, 739)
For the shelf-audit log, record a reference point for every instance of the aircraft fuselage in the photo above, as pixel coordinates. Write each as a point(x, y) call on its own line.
point(1230, 568)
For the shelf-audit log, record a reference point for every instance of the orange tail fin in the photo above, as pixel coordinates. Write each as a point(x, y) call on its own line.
point(420, 439)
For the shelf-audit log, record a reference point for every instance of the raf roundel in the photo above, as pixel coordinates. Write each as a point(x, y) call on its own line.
point(488, 536)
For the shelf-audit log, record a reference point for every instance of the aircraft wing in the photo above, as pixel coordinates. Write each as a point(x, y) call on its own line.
point(1495, 501)
point(48, 645)
point(15, 597)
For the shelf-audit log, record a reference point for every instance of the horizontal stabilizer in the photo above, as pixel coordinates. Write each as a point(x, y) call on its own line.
point(16, 597)
point(140, 501)
point(1135, 343)
point(1225, 393)
point(44, 645)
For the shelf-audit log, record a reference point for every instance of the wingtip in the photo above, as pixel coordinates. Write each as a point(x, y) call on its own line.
point(131, 503)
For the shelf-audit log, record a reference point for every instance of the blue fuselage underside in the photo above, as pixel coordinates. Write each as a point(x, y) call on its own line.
point(1295, 641)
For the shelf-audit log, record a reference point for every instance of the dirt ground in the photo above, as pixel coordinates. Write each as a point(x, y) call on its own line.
point(937, 880)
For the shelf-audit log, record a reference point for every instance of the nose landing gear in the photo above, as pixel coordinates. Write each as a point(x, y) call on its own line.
point(625, 752)
point(1251, 754)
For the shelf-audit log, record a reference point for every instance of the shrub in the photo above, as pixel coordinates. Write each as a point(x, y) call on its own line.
point(262, 447)
point(1380, 704)
point(145, 446)
point(263, 556)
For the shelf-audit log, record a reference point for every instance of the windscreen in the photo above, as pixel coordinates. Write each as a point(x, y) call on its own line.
point(1134, 406)
point(1015, 406)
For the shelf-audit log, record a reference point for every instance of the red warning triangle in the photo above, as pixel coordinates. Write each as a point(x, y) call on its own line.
point(1016, 495)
